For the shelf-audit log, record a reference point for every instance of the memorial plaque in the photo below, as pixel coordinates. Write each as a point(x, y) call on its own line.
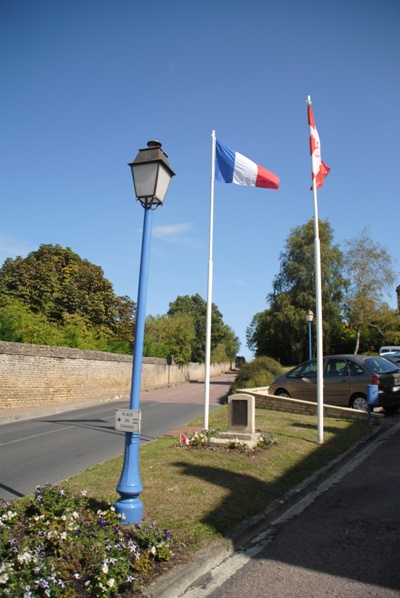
point(239, 413)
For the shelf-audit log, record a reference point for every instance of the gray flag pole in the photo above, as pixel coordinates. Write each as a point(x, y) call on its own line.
point(209, 291)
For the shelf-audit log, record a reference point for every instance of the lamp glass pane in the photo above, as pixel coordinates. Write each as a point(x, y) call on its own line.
point(144, 178)
point(163, 181)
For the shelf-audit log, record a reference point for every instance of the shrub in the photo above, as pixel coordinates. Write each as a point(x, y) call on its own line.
point(259, 372)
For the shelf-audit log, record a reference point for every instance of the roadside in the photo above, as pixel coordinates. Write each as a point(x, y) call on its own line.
point(352, 533)
point(180, 578)
point(342, 539)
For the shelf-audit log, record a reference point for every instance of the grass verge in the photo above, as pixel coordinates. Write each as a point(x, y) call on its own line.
point(201, 494)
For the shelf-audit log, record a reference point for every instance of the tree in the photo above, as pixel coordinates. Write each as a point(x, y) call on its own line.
point(281, 330)
point(370, 272)
point(124, 323)
point(169, 335)
point(196, 307)
point(231, 345)
point(67, 291)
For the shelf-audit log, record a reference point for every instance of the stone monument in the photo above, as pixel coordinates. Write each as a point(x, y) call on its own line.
point(241, 421)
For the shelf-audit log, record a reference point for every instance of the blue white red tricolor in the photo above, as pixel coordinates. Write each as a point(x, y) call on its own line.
point(233, 167)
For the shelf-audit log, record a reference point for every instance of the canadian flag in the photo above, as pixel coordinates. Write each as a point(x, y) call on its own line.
point(319, 168)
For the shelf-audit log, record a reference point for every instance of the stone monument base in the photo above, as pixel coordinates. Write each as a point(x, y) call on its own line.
point(227, 437)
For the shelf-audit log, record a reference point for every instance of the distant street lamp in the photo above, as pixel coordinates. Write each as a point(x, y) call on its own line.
point(309, 319)
point(151, 177)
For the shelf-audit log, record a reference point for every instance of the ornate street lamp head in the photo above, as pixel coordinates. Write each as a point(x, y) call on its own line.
point(152, 175)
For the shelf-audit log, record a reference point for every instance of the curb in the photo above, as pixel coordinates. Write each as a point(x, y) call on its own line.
point(173, 583)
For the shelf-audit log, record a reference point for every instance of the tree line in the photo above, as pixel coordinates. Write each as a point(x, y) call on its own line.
point(354, 283)
point(54, 297)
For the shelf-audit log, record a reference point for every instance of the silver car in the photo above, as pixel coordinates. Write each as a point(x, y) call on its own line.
point(394, 357)
point(346, 379)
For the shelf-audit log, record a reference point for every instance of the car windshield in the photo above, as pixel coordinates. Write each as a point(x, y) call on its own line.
point(381, 366)
point(309, 370)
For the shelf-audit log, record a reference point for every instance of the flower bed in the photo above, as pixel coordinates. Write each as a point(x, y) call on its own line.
point(61, 543)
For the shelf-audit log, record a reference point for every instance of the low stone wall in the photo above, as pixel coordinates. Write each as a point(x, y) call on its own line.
point(266, 401)
point(36, 375)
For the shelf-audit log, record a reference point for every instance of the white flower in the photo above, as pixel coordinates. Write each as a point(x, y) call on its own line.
point(4, 578)
point(111, 582)
point(7, 516)
point(153, 550)
point(105, 568)
point(25, 557)
point(5, 566)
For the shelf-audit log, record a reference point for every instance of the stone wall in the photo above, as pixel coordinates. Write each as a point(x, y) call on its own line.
point(36, 375)
point(266, 401)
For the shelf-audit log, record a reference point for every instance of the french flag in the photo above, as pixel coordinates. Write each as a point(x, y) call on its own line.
point(232, 167)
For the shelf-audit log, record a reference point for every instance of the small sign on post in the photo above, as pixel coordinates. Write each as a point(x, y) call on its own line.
point(128, 420)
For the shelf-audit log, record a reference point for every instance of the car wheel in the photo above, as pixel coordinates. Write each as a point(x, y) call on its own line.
point(359, 402)
point(281, 392)
point(392, 409)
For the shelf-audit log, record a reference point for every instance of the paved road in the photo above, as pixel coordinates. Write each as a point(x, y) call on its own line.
point(342, 541)
point(55, 447)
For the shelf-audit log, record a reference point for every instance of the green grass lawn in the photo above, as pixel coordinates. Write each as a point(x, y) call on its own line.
point(200, 494)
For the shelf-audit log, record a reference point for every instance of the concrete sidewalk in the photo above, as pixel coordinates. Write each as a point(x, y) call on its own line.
point(368, 478)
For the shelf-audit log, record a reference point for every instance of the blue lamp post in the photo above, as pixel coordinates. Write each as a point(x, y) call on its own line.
point(151, 177)
point(309, 319)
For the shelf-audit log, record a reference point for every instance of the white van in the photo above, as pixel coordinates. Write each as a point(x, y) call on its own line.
point(384, 350)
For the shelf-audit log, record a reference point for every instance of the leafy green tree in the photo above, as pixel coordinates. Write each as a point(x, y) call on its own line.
point(281, 330)
point(169, 335)
point(19, 325)
point(231, 346)
point(370, 271)
point(196, 307)
point(54, 281)
point(125, 320)
point(73, 302)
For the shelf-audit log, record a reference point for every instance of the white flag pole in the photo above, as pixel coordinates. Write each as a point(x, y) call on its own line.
point(318, 300)
point(209, 291)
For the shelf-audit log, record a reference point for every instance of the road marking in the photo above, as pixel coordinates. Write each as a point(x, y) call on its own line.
point(49, 432)
point(35, 436)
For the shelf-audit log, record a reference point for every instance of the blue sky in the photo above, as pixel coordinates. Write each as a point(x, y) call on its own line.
point(86, 84)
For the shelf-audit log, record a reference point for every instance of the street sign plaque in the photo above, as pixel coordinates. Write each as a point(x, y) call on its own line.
point(128, 420)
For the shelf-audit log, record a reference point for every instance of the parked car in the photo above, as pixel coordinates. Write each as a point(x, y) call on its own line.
point(346, 379)
point(395, 357)
point(383, 351)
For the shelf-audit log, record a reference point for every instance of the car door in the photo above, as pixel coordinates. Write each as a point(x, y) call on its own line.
point(306, 384)
point(336, 382)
